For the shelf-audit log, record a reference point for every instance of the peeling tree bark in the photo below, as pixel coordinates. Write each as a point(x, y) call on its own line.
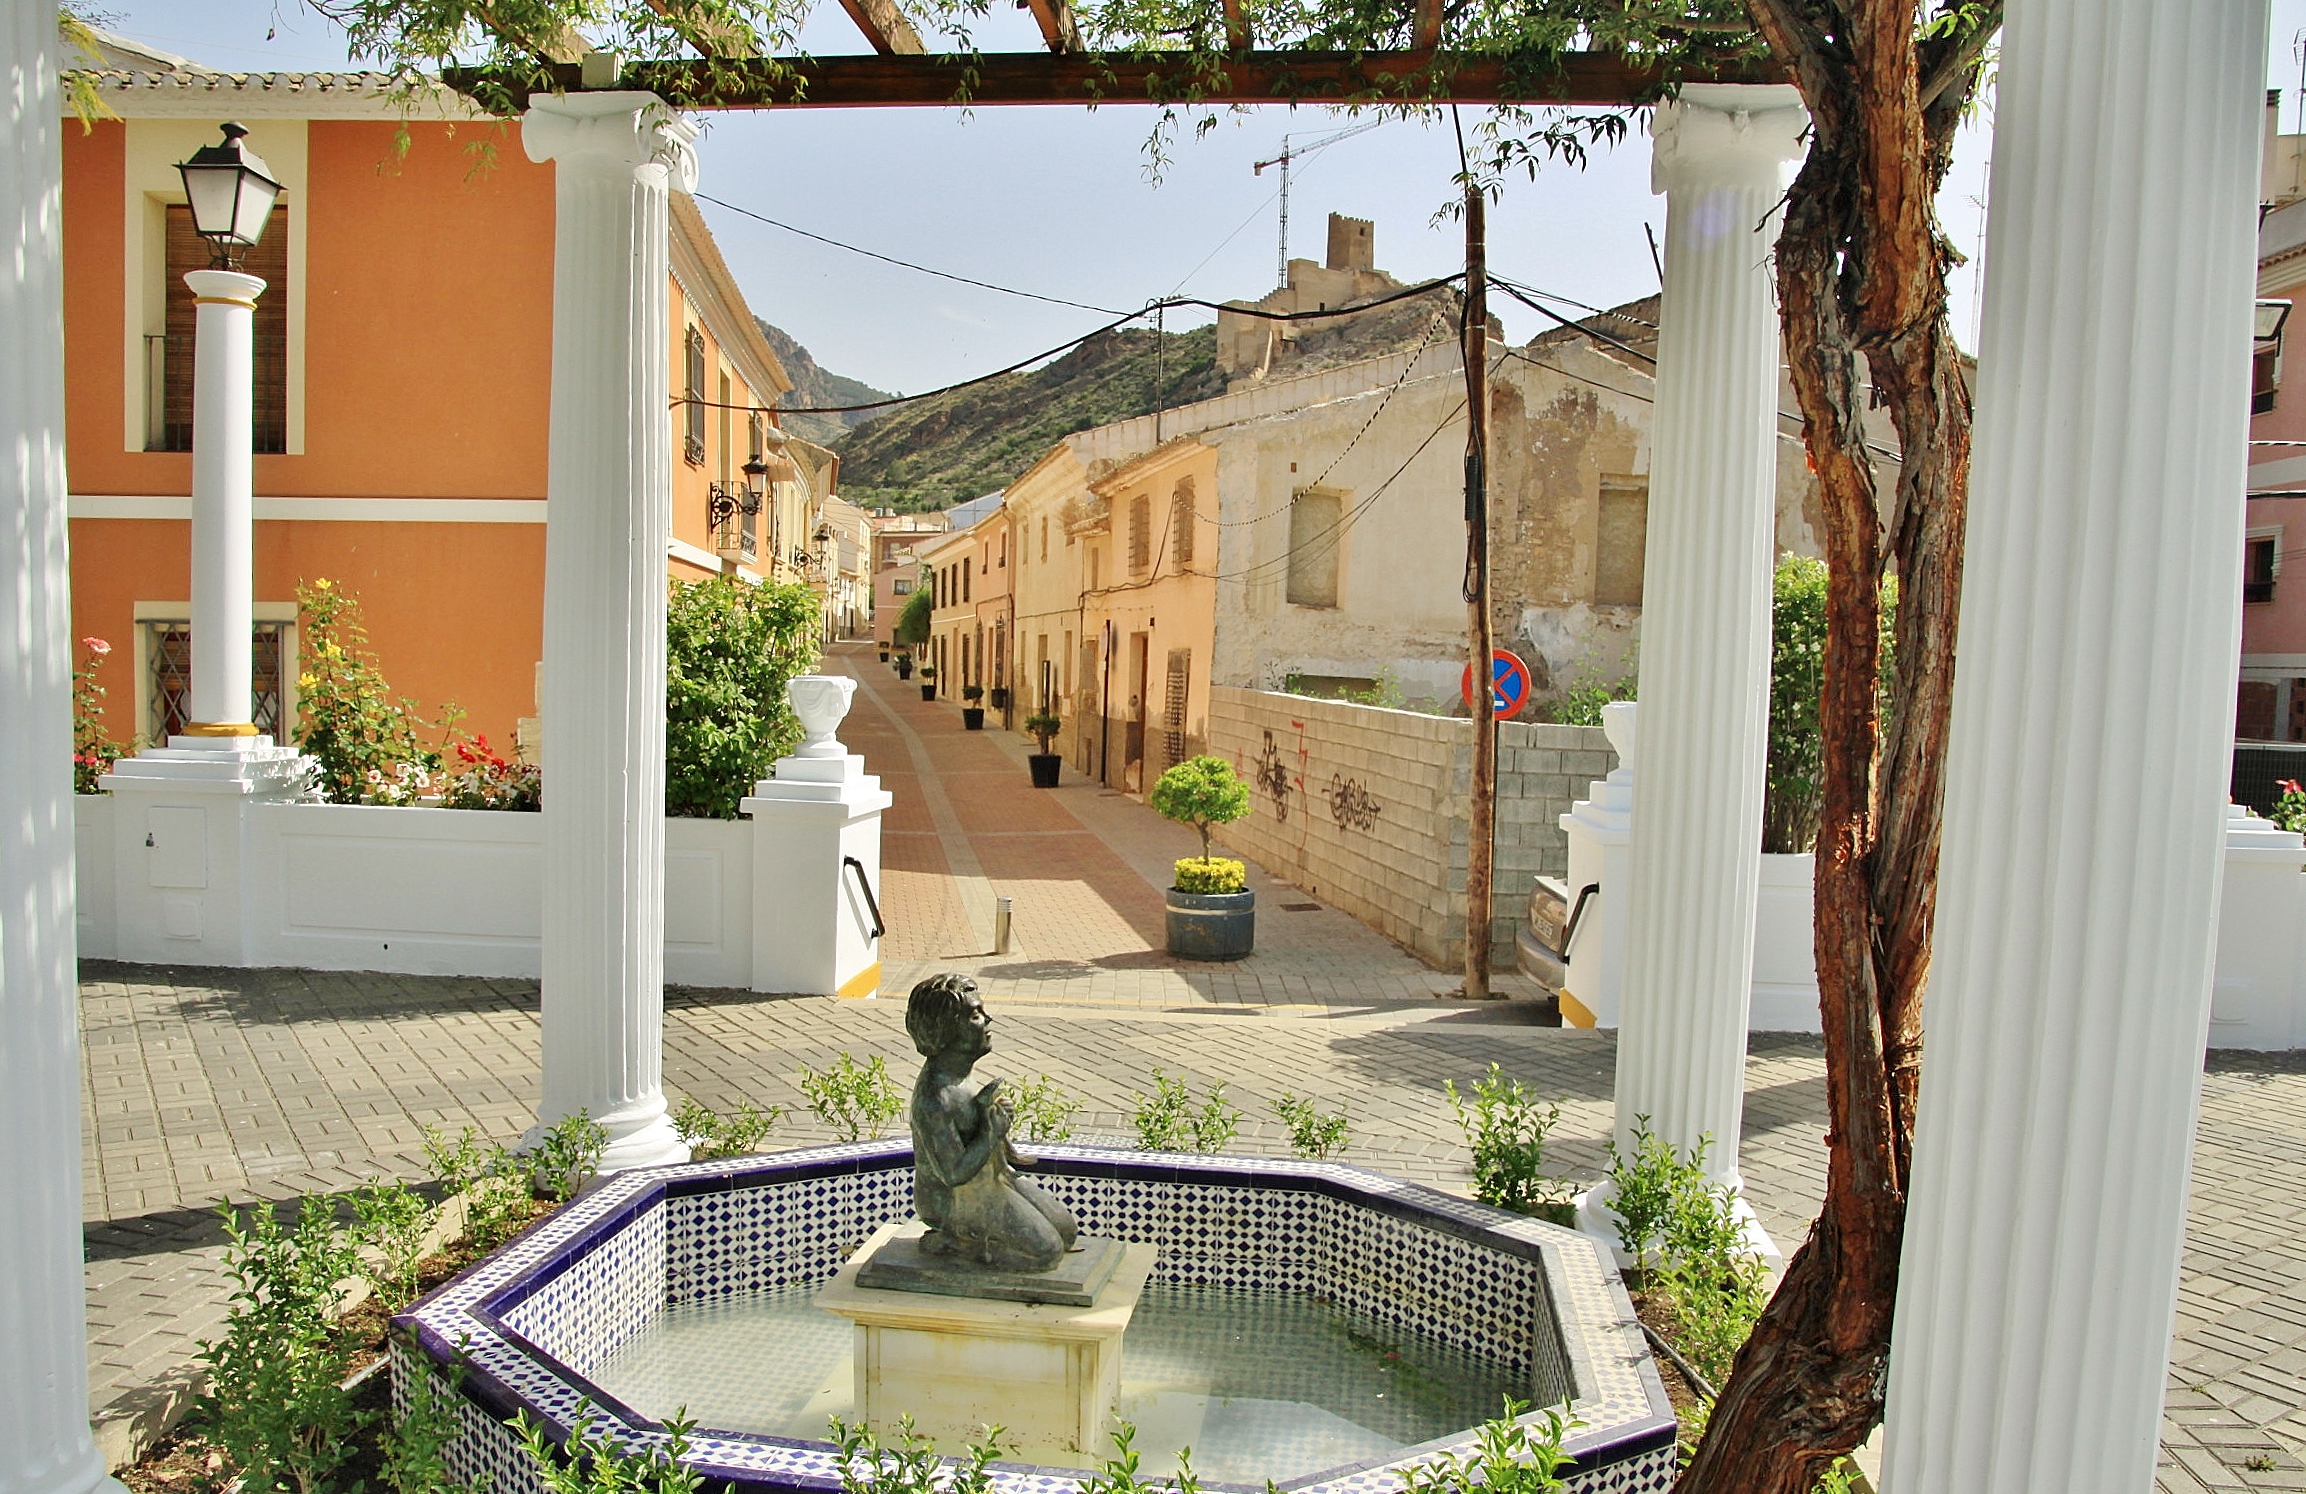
point(1862, 273)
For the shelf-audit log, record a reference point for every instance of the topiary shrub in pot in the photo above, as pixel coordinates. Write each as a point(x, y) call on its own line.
point(1212, 912)
point(972, 713)
point(1044, 725)
point(928, 682)
point(904, 666)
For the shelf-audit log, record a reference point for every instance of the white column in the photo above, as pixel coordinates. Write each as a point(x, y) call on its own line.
point(223, 476)
point(608, 492)
point(45, 1447)
point(1705, 630)
point(2092, 721)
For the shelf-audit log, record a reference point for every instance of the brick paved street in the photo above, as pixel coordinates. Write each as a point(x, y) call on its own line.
point(208, 1085)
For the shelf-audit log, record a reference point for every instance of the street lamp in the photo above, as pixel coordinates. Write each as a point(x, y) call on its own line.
point(231, 192)
point(723, 503)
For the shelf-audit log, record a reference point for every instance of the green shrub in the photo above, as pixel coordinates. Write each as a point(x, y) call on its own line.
point(391, 1220)
point(93, 750)
point(1642, 1189)
point(1509, 1457)
point(1580, 704)
point(1210, 874)
point(912, 626)
point(729, 649)
point(1044, 725)
point(586, 1464)
point(2290, 810)
point(1201, 792)
point(568, 1152)
point(1793, 796)
point(414, 1455)
point(277, 1409)
point(1044, 1112)
point(1313, 1133)
point(1167, 1120)
point(912, 1466)
point(972, 693)
point(1506, 1127)
point(734, 1135)
point(499, 1192)
point(367, 742)
point(856, 1099)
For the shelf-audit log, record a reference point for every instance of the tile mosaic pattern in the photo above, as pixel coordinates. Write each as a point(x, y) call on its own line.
point(1373, 1241)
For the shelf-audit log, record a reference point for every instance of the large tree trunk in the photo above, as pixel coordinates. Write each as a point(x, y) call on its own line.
point(1862, 272)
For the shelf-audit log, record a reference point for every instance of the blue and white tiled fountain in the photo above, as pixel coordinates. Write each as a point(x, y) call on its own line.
point(1308, 1322)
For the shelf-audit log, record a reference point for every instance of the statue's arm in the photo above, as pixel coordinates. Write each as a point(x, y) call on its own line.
point(950, 1157)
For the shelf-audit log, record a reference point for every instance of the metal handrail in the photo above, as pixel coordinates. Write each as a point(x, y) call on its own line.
point(872, 904)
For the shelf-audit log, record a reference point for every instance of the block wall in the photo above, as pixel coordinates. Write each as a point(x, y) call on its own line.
point(1365, 808)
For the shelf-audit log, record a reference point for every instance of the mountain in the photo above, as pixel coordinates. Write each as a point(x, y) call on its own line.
point(936, 452)
point(814, 385)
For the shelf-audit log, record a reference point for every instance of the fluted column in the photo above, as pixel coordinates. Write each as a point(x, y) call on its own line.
point(223, 510)
point(1695, 858)
point(2086, 780)
point(608, 512)
point(45, 1447)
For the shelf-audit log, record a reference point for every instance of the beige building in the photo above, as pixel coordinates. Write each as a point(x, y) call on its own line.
point(969, 631)
point(897, 543)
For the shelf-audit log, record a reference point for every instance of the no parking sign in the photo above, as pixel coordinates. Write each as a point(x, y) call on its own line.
point(1508, 684)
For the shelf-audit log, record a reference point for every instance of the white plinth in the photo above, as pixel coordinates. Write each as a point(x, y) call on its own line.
point(1049, 1375)
point(813, 918)
point(1599, 828)
point(2255, 1003)
point(180, 844)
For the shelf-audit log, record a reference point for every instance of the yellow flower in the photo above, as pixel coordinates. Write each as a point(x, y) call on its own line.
point(321, 583)
point(306, 681)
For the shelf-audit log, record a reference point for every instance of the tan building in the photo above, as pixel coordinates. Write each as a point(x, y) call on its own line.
point(970, 629)
point(897, 541)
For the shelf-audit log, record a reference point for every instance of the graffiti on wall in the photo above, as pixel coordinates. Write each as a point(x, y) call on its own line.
point(1351, 805)
point(1273, 779)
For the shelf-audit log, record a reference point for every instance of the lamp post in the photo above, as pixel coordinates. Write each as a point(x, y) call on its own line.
point(723, 503)
point(231, 192)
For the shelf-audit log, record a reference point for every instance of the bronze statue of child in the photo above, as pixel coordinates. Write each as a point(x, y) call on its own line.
point(965, 1182)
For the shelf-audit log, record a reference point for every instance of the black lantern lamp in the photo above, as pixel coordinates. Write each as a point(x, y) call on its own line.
point(231, 191)
point(723, 503)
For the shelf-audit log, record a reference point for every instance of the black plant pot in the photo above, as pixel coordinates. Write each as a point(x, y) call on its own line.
point(998, 697)
point(1044, 766)
point(884, 656)
point(973, 717)
point(904, 668)
point(1211, 925)
point(928, 692)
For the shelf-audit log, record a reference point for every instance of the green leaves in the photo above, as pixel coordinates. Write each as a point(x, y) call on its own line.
point(1313, 1132)
point(1201, 792)
point(856, 1099)
point(1505, 1127)
point(1795, 785)
point(1167, 1120)
point(277, 1409)
point(729, 649)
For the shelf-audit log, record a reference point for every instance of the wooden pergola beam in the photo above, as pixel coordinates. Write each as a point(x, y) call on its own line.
point(1012, 78)
point(1058, 27)
point(885, 27)
point(710, 38)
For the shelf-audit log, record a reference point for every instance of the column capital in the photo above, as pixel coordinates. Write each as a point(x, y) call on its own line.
point(1726, 135)
point(626, 128)
point(224, 285)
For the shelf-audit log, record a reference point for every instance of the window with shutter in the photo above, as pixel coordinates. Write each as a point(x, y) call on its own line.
point(168, 426)
point(693, 437)
point(1181, 523)
point(1140, 533)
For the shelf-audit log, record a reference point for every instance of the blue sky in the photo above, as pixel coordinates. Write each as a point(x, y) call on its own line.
point(1060, 201)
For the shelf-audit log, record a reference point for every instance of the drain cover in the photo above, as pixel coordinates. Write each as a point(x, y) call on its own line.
point(1301, 907)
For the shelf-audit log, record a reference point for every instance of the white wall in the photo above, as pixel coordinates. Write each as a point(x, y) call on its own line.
point(422, 891)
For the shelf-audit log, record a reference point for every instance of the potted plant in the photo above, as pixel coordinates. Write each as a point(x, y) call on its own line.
point(904, 665)
point(884, 653)
point(973, 714)
point(1000, 698)
point(1212, 912)
point(1044, 725)
point(928, 682)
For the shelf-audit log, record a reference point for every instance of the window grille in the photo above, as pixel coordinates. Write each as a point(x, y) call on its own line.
point(168, 666)
point(1181, 523)
point(1173, 705)
point(1140, 533)
point(693, 440)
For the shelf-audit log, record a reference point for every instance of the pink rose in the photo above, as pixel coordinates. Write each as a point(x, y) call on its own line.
point(96, 646)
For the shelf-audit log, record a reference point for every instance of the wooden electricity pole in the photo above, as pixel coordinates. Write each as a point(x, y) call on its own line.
point(1481, 814)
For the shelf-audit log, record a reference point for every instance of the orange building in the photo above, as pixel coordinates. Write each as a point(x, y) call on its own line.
point(403, 351)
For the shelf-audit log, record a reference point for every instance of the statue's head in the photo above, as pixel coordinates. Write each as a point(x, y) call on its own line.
point(944, 1013)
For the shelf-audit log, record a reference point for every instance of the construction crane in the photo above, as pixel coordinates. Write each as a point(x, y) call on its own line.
point(1289, 156)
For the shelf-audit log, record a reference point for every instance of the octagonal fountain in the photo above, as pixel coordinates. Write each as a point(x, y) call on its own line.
point(1308, 1322)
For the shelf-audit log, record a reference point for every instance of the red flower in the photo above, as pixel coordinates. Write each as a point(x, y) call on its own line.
point(2288, 786)
point(96, 646)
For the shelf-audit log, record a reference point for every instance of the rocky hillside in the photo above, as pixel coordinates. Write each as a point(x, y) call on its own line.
point(937, 452)
point(814, 385)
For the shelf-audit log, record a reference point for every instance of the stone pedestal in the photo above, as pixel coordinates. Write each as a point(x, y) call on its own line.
point(817, 858)
point(616, 157)
point(223, 510)
point(1050, 1375)
point(180, 845)
point(45, 1446)
point(1721, 153)
point(2261, 916)
point(1600, 832)
point(2086, 776)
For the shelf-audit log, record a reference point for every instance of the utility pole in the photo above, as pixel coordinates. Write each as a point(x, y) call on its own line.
point(1481, 812)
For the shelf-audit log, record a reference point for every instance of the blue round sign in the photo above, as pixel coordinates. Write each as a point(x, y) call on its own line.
point(1508, 684)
